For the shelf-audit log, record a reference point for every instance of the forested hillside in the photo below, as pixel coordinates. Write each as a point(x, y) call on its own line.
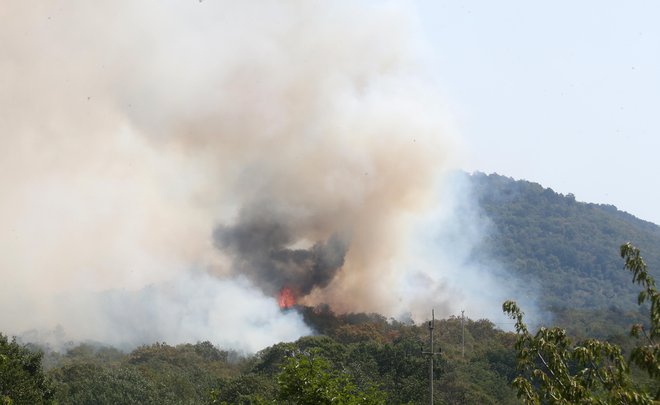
point(565, 250)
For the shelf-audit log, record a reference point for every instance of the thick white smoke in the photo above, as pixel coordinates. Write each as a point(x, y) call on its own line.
point(139, 140)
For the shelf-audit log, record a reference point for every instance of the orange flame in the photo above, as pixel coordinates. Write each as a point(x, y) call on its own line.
point(286, 298)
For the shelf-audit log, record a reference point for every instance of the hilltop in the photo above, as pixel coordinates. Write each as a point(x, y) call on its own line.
point(564, 249)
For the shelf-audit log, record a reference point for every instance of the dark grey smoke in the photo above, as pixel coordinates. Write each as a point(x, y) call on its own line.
point(260, 249)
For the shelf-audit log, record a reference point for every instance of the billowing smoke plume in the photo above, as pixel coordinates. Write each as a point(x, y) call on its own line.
point(228, 148)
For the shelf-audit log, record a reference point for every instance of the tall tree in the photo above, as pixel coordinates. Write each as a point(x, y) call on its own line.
point(22, 380)
point(308, 378)
point(553, 370)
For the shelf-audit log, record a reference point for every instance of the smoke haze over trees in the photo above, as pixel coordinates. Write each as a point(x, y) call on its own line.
point(140, 141)
point(170, 166)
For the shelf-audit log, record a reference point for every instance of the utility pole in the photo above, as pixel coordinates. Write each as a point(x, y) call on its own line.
point(462, 333)
point(431, 353)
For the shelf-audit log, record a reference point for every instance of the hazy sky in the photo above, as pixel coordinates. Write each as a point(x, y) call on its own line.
point(562, 93)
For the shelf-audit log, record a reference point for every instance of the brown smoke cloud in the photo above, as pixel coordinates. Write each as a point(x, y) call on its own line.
point(288, 142)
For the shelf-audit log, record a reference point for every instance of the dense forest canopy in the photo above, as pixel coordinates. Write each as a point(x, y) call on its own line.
point(362, 352)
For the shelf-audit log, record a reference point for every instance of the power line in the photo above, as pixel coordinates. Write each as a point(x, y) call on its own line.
point(462, 333)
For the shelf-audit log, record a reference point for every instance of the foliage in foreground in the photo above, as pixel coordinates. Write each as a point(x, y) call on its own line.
point(308, 378)
point(22, 380)
point(592, 371)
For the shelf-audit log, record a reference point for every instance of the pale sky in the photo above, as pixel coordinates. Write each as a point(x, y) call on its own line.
point(563, 93)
